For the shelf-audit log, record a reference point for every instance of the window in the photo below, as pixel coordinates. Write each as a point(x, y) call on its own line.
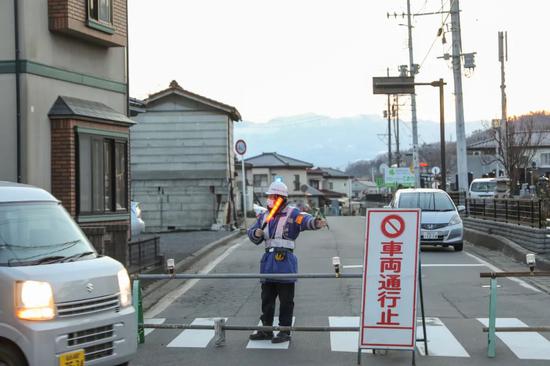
point(330, 186)
point(100, 11)
point(260, 180)
point(103, 183)
point(297, 182)
point(427, 201)
point(314, 183)
point(545, 159)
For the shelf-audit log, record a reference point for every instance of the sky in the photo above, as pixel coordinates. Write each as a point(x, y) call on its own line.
point(274, 58)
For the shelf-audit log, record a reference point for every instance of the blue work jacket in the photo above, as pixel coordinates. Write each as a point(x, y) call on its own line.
point(279, 237)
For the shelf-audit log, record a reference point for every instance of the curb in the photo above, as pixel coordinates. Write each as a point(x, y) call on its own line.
point(505, 245)
point(157, 287)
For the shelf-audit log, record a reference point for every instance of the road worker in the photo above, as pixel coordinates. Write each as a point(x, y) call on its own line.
point(278, 234)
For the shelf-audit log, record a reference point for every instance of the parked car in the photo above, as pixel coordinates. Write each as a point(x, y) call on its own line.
point(137, 223)
point(488, 188)
point(61, 303)
point(441, 223)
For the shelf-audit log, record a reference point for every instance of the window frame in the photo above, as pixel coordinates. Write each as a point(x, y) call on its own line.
point(98, 23)
point(110, 139)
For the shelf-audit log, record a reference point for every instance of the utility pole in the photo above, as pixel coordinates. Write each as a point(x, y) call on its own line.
point(502, 57)
point(461, 157)
point(412, 71)
point(395, 115)
point(389, 124)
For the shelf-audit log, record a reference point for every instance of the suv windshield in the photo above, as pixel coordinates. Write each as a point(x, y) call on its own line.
point(38, 233)
point(483, 186)
point(426, 201)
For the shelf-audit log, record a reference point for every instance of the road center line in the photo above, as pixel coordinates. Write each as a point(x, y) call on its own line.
point(167, 300)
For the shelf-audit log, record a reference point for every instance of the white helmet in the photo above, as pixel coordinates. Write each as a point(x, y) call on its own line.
point(278, 188)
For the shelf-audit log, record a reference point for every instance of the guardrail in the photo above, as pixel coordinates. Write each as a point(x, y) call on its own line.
point(515, 211)
point(144, 253)
point(492, 328)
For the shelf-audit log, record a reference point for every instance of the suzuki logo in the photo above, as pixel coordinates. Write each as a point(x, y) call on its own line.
point(90, 287)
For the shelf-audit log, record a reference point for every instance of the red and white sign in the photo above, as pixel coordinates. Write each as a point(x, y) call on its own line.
point(390, 277)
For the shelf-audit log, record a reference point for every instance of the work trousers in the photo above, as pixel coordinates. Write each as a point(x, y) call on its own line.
point(270, 291)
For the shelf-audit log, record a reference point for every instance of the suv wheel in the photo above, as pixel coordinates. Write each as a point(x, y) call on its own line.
point(459, 247)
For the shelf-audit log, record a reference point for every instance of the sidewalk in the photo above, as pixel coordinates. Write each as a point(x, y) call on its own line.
point(185, 248)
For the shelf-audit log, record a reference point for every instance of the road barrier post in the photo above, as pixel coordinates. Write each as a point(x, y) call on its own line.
point(491, 336)
point(136, 295)
point(219, 329)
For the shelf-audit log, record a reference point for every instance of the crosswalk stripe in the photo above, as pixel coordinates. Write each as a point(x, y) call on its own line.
point(152, 321)
point(267, 344)
point(525, 345)
point(344, 341)
point(195, 338)
point(441, 342)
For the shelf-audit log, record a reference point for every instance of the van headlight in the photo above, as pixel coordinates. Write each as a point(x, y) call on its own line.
point(125, 288)
point(455, 220)
point(34, 300)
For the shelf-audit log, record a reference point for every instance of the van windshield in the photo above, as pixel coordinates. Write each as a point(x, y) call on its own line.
point(483, 186)
point(39, 233)
point(426, 201)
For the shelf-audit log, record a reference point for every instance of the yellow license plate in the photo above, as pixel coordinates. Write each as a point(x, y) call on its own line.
point(75, 358)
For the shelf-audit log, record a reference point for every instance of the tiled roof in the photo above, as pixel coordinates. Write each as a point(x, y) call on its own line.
point(268, 160)
point(335, 173)
point(175, 88)
point(539, 138)
point(74, 107)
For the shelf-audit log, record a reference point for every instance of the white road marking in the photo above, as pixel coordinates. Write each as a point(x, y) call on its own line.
point(525, 345)
point(152, 321)
point(195, 338)
point(453, 265)
point(345, 341)
point(441, 342)
point(496, 269)
point(267, 344)
point(167, 300)
point(432, 265)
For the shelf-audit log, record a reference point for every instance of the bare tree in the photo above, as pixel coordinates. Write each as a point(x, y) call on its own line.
point(515, 151)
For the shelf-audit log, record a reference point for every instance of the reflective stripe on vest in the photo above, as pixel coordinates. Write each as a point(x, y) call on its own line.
point(278, 241)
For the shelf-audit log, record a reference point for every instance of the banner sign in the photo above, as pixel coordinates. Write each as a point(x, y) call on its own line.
point(396, 176)
point(390, 277)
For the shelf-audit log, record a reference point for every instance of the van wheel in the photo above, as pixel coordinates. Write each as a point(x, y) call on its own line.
point(11, 356)
point(459, 247)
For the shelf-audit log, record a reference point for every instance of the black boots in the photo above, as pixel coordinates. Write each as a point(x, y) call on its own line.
point(261, 336)
point(281, 337)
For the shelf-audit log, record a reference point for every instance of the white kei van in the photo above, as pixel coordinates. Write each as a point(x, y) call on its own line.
point(489, 188)
point(61, 303)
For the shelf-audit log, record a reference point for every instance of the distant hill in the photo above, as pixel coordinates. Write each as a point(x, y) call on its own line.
point(335, 142)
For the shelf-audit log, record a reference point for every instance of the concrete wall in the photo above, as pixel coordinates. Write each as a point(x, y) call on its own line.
point(7, 37)
point(529, 238)
point(8, 127)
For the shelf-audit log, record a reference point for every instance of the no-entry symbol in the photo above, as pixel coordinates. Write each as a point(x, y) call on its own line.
point(392, 226)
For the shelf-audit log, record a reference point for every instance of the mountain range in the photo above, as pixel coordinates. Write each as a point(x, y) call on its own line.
point(335, 142)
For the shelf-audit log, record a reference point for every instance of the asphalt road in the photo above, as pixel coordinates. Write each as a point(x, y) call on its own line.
point(456, 302)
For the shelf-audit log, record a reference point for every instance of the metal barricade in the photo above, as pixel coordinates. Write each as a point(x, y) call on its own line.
point(492, 328)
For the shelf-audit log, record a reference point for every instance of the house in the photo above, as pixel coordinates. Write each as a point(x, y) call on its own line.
point(337, 181)
point(481, 156)
point(64, 102)
point(363, 187)
point(182, 160)
point(268, 167)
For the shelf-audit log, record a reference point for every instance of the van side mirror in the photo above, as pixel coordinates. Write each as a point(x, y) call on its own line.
point(461, 208)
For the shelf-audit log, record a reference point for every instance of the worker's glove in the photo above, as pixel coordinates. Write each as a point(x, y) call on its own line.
point(258, 233)
point(320, 223)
